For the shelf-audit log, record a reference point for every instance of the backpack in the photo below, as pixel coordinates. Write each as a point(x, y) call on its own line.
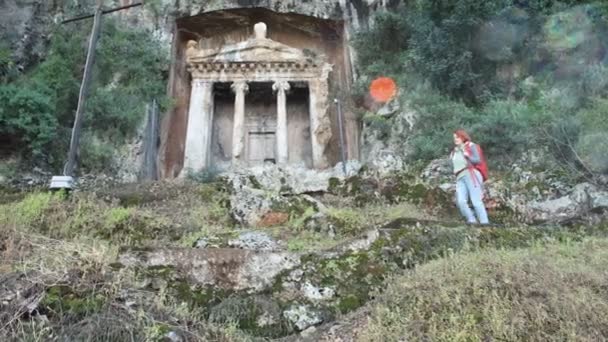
point(482, 167)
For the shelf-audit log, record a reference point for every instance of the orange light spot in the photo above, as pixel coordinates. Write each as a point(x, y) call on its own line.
point(383, 89)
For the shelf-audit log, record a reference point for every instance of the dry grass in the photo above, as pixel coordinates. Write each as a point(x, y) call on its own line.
point(554, 293)
point(57, 252)
point(67, 291)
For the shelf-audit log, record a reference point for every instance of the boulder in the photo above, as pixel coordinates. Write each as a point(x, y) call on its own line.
point(248, 206)
point(385, 163)
point(303, 316)
point(291, 180)
point(317, 293)
point(225, 268)
point(584, 199)
point(264, 195)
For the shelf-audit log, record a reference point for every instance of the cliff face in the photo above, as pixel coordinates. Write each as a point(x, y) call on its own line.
point(25, 25)
point(324, 25)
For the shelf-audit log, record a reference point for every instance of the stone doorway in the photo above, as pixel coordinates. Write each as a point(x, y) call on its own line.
point(261, 147)
point(260, 125)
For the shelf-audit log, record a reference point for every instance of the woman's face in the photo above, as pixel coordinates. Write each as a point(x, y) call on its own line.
point(457, 140)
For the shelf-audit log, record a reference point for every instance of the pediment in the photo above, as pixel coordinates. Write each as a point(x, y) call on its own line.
point(254, 51)
point(258, 49)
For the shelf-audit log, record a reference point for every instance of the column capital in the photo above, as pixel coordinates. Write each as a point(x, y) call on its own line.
point(239, 87)
point(197, 82)
point(281, 86)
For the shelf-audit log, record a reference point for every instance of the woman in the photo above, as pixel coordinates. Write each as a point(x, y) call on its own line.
point(469, 181)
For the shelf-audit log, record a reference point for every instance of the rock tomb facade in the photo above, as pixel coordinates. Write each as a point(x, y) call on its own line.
point(256, 101)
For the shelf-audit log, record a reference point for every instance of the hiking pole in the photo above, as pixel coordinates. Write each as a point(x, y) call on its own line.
point(340, 124)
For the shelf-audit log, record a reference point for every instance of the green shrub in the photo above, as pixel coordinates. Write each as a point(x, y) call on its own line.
point(96, 154)
point(379, 124)
point(26, 116)
point(347, 221)
point(438, 118)
point(38, 107)
point(512, 75)
point(379, 49)
point(8, 69)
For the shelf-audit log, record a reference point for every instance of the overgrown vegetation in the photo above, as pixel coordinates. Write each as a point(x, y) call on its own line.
point(64, 250)
point(37, 107)
point(517, 75)
point(549, 293)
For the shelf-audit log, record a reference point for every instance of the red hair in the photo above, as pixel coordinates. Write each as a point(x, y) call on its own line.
point(462, 135)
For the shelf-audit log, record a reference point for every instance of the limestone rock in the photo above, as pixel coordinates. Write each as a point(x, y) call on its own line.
point(257, 191)
point(315, 293)
point(230, 269)
point(303, 316)
point(248, 205)
point(555, 210)
point(585, 198)
point(309, 332)
point(388, 143)
point(259, 241)
point(291, 180)
point(385, 163)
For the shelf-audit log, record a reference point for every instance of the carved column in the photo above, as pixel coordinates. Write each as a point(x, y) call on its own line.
point(320, 126)
point(240, 88)
point(281, 87)
point(200, 122)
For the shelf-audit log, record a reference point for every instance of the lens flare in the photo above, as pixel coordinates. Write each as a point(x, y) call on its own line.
point(383, 89)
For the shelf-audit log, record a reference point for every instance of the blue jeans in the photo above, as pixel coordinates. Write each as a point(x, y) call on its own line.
point(467, 188)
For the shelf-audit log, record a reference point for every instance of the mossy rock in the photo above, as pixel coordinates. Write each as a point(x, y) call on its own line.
point(334, 185)
point(293, 206)
point(412, 245)
point(171, 280)
point(433, 199)
point(353, 276)
point(257, 315)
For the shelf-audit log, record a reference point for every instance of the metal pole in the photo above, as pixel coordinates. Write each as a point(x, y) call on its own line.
point(84, 89)
point(340, 124)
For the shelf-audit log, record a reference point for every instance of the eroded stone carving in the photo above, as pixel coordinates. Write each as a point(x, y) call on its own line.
point(260, 30)
point(260, 59)
point(191, 48)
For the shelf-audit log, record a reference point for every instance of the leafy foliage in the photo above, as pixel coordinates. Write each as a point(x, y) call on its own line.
point(26, 115)
point(38, 107)
point(516, 74)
